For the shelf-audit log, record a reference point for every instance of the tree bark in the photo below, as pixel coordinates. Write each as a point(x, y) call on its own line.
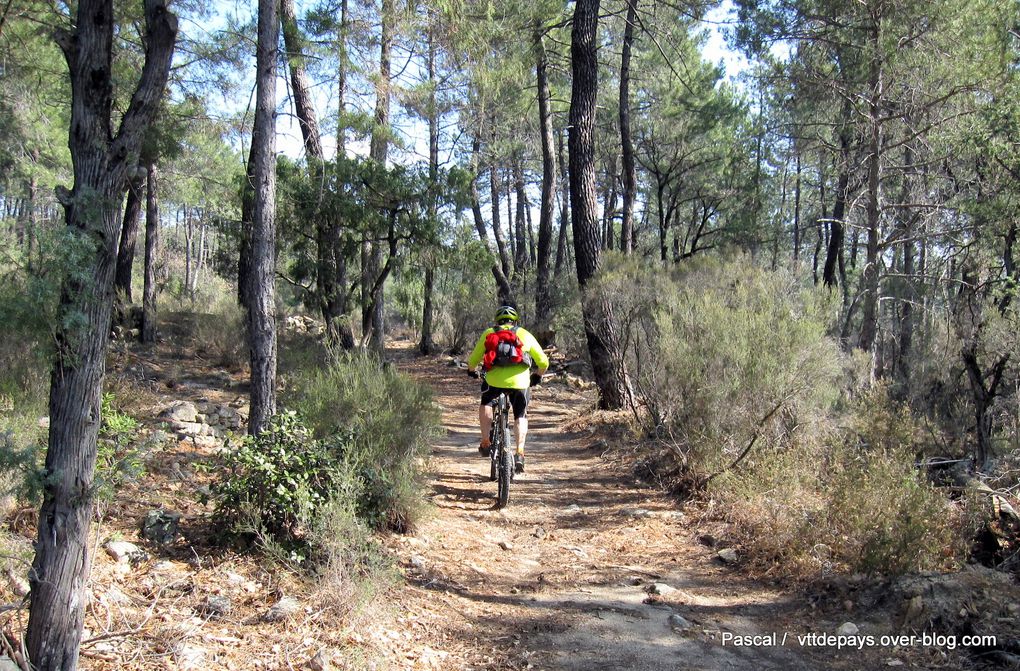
point(869, 322)
point(102, 164)
point(129, 237)
point(543, 305)
point(629, 175)
point(497, 229)
point(505, 291)
point(151, 247)
point(261, 285)
point(426, 344)
point(374, 320)
point(561, 244)
point(598, 324)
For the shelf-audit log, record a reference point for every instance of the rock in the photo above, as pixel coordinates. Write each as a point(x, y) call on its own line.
point(727, 556)
point(418, 562)
point(662, 589)
point(847, 629)
point(636, 512)
point(163, 567)
point(161, 526)
point(217, 605)
point(8, 664)
point(157, 439)
point(573, 508)
point(185, 429)
point(321, 661)
point(539, 533)
point(282, 609)
point(17, 583)
point(207, 442)
point(190, 656)
point(181, 411)
point(506, 546)
point(679, 623)
point(123, 551)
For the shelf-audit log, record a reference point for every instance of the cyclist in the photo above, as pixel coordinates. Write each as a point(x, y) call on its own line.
point(507, 362)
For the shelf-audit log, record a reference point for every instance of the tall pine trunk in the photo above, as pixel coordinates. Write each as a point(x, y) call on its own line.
point(626, 145)
point(374, 292)
point(548, 205)
point(129, 236)
point(261, 299)
point(102, 162)
point(151, 247)
point(603, 347)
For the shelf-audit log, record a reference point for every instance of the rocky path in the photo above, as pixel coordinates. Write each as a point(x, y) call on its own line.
point(585, 569)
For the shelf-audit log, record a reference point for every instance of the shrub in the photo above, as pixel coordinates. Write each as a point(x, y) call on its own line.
point(220, 333)
point(119, 458)
point(728, 360)
point(275, 482)
point(816, 470)
point(390, 420)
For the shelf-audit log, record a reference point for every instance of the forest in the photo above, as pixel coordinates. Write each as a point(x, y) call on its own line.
point(770, 247)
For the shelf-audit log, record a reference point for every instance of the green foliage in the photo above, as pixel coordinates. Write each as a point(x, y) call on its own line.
point(723, 356)
point(119, 457)
point(390, 420)
point(276, 481)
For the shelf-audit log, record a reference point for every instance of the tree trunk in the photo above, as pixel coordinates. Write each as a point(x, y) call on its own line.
point(869, 322)
point(543, 304)
point(629, 175)
point(504, 289)
point(521, 260)
point(598, 322)
point(378, 151)
point(129, 237)
point(561, 244)
point(189, 245)
point(262, 286)
point(796, 215)
point(151, 246)
point(102, 163)
point(330, 264)
point(907, 309)
point(426, 344)
point(497, 229)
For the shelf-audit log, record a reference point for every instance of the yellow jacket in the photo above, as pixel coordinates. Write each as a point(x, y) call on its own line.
point(516, 376)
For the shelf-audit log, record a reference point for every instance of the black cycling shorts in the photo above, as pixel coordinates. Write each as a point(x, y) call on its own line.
point(518, 398)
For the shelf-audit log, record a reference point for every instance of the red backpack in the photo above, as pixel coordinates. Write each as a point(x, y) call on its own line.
point(504, 348)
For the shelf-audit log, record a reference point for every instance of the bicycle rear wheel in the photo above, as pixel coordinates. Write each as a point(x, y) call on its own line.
point(505, 462)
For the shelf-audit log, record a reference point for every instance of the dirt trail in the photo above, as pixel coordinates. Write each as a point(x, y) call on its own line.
point(560, 578)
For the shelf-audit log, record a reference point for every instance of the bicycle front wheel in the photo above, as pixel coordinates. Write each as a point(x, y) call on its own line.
point(506, 474)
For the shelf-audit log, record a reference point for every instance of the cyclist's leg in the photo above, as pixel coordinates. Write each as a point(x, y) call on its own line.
point(519, 399)
point(485, 421)
point(489, 394)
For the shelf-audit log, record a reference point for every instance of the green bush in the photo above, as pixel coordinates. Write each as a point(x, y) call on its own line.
point(724, 356)
point(119, 458)
point(274, 483)
point(735, 375)
point(390, 420)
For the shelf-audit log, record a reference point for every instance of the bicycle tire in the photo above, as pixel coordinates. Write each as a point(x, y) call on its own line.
point(505, 467)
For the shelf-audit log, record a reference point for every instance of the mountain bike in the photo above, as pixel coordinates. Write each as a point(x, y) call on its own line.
point(501, 456)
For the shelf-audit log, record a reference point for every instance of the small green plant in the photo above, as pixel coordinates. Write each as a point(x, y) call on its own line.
point(119, 459)
point(275, 482)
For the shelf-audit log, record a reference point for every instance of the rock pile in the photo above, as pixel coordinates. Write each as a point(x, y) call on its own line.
point(204, 422)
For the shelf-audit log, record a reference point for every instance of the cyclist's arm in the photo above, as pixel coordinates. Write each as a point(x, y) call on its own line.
point(538, 356)
point(477, 353)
